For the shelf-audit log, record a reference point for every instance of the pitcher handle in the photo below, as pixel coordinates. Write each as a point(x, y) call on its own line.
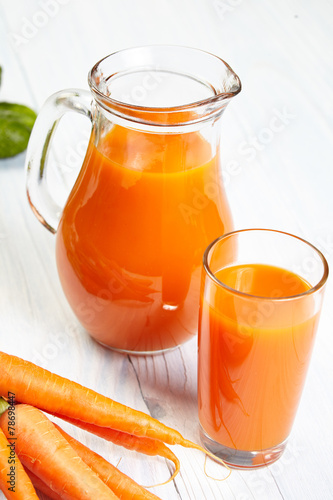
point(47, 211)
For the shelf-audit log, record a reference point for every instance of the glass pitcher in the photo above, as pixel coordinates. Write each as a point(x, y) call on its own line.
point(149, 196)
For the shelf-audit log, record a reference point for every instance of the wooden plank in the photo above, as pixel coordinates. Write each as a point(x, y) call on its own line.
point(277, 142)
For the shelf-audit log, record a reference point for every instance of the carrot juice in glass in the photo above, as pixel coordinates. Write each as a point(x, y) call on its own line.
point(261, 298)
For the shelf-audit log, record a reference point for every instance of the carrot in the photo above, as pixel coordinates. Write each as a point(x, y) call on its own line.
point(123, 486)
point(14, 482)
point(41, 486)
point(148, 446)
point(32, 384)
point(46, 453)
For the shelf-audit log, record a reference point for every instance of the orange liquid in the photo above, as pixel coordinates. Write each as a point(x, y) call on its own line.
point(132, 236)
point(253, 356)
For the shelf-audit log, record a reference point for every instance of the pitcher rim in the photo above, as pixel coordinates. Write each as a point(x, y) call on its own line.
point(219, 99)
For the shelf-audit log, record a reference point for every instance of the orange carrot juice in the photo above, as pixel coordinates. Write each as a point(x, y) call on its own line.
point(253, 355)
point(132, 236)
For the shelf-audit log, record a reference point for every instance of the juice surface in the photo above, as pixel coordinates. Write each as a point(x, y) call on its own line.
point(253, 356)
point(132, 236)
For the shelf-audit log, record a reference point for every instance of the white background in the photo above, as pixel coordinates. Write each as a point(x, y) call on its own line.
point(282, 51)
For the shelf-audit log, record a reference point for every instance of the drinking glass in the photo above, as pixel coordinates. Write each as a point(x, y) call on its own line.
point(261, 297)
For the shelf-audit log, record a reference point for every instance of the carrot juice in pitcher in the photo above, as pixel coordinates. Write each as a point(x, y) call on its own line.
point(132, 236)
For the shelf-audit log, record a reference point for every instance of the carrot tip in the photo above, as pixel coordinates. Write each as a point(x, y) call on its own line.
point(165, 482)
point(190, 444)
point(220, 461)
point(171, 478)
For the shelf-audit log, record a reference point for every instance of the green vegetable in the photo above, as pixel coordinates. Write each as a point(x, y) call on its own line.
point(3, 405)
point(16, 122)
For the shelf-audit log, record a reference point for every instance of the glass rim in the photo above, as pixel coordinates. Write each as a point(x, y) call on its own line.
point(310, 291)
point(218, 99)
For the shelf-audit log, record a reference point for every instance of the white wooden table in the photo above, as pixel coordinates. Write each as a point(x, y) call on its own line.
point(282, 179)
